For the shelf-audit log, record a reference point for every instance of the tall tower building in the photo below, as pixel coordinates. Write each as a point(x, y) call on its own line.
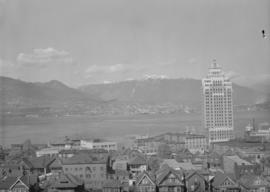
point(217, 105)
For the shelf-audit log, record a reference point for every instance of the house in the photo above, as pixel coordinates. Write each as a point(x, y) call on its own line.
point(184, 155)
point(172, 163)
point(195, 182)
point(37, 165)
point(92, 170)
point(56, 166)
point(223, 182)
point(235, 165)
point(137, 165)
point(145, 182)
point(112, 186)
point(214, 159)
point(68, 183)
point(15, 184)
point(170, 180)
point(253, 183)
point(11, 170)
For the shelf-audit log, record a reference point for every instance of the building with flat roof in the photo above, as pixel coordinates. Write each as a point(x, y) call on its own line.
point(92, 144)
point(217, 105)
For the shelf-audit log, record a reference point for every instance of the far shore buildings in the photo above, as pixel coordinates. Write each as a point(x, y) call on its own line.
point(217, 105)
point(195, 143)
point(69, 145)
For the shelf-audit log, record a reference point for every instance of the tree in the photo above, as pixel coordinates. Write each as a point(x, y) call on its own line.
point(164, 151)
point(154, 163)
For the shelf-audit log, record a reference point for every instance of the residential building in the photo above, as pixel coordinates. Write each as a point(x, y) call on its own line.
point(254, 183)
point(92, 170)
point(217, 105)
point(137, 165)
point(195, 182)
point(146, 182)
point(11, 170)
point(67, 182)
point(112, 186)
point(173, 164)
point(37, 165)
point(170, 180)
point(238, 167)
point(223, 182)
point(16, 184)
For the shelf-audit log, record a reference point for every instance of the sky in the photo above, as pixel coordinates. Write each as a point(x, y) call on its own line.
point(83, 42)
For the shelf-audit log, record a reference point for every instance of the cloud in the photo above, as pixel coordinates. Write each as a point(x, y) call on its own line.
point(155, 76)
point(105, 69)
point(232, 75)
point(41, 57)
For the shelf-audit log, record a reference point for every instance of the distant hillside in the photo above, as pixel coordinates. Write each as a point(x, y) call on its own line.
point(130, 97)
point(54, 94)
point(159, 91)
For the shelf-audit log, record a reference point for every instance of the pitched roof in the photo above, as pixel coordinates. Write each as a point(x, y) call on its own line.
point(178, 165)
point(220, 178)
point(253, 181)
point(150, 176)
point(191, 173)
point(38, 162)
point(56, 164)
point(8, 182)
point(138, 160)
point(161, 175)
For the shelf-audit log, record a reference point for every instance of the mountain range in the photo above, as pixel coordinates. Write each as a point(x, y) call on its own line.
point(135, 95)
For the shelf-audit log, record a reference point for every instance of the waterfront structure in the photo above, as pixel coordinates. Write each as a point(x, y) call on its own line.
point(217, 105)
point(176, 141)
point(92, 144)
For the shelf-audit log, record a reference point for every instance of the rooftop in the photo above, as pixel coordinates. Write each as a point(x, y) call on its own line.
point(238, 160)
point(84, 159)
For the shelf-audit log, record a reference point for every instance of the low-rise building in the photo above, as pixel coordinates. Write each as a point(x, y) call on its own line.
point(96, 144)
point(49, 151)
point(67, 182)
point(137, 165)
point(92, 170)
point(173, 164)
point(146, 182)
point(195, 182)
point(16, 184)
point(170, 180)
point(196, 143)
point(223, 182)
point(239, 167)
point(253, 183)
point(37, 165)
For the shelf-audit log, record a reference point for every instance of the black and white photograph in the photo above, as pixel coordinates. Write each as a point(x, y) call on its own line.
point(134, 96)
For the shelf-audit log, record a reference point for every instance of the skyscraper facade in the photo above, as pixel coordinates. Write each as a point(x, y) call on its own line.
point(217, 105)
